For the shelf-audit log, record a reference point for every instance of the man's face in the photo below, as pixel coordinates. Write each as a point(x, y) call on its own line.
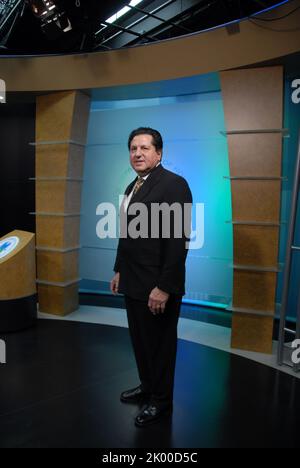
point(143, 154)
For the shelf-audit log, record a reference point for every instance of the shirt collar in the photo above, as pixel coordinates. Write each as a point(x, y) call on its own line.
point(146, 176)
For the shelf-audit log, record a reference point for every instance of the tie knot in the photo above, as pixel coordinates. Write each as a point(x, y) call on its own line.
point(138, 185)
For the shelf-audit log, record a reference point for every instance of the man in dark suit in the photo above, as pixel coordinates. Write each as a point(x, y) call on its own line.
point(150, 272)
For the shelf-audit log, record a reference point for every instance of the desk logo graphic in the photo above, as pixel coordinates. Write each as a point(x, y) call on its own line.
point(8, 245)
point(2, 92)
point(2, 352)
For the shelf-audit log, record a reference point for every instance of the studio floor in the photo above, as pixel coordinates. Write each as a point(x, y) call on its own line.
point(62, 381)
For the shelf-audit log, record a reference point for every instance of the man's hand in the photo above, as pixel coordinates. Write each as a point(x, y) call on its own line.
point(157, 301)
point(114, 284)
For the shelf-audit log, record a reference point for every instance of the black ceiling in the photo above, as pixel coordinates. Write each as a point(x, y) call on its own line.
point(149, 21)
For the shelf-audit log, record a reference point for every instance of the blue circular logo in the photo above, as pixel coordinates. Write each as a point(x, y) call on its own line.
point(8, 245)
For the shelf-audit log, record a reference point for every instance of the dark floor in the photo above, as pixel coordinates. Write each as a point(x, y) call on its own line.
point(61, 385)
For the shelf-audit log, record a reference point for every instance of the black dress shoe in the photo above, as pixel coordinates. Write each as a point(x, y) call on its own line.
point(152, 414)
point(134, 395)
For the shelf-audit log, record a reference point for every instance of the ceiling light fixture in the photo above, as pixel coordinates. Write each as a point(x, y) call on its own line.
point(123, 11)
point(54, 20)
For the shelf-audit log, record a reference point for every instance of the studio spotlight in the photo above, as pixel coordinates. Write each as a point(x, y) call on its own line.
point(54, 20)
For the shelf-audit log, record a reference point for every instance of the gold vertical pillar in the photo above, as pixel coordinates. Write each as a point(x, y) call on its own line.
point(61, 131)
point(253, 106)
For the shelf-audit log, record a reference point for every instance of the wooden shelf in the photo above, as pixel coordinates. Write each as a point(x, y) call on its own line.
point(59, 285)
point(277, 269)
point(255, 223)
point(255, 178)
point(55, 179)
point(261, 313)
point(65, 215)
point(58, 142)
point(52, 249)
point(284, 131)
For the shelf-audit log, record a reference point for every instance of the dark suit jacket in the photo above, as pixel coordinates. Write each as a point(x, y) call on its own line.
point(145, 263)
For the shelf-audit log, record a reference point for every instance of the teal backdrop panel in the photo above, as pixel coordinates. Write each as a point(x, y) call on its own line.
point(194, 148)
point(290, 149)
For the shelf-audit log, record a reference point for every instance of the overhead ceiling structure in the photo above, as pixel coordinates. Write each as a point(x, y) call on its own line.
point(29, 27)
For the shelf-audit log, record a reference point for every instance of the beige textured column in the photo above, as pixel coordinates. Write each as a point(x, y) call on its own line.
point(253, 106)
point(61, 130)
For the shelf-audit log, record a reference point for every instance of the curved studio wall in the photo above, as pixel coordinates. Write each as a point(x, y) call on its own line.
point(209, 51)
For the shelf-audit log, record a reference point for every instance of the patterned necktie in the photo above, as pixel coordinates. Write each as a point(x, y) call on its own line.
point(138, 185)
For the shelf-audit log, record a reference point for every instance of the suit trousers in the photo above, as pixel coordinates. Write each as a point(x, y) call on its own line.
point(154, 341)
